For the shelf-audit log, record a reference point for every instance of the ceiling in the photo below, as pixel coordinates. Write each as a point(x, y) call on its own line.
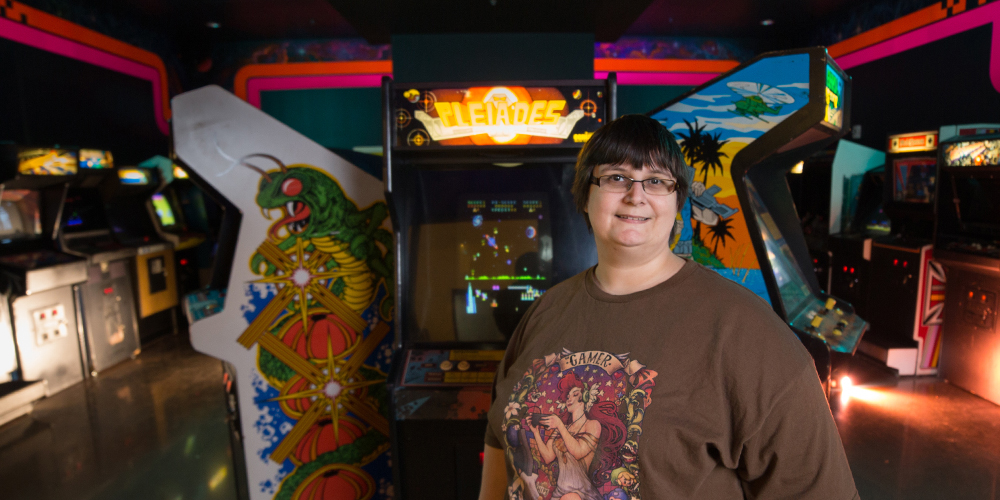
point(195, 27)
point(376, 20)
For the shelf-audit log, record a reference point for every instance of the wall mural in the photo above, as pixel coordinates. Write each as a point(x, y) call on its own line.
point(307, 320)
point(712, 126)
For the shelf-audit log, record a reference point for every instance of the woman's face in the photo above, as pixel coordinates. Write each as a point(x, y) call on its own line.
point(632, 219)
point(574, 396)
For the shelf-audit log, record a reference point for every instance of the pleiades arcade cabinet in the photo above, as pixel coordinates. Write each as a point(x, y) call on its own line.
point(479, 179)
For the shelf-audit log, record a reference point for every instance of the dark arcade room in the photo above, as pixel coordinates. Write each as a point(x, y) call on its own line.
point(499, 249)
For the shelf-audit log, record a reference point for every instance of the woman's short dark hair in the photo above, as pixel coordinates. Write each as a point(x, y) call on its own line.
point(635, 140)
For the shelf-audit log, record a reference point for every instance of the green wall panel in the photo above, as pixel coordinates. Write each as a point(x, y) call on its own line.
point(641, 99)
point(335, 118)
point(492, 56)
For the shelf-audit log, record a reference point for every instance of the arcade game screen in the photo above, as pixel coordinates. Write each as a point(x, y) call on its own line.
point(792, 286)
point(96, 159)
point(913, 179)
point(972, 153)
point(19, 215)
point(84, 211)
point(490, 265)
point(133, 177)
point(46, 161)
point(163, 210)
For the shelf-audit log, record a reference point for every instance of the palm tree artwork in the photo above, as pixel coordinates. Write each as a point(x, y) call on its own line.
point(719, 232)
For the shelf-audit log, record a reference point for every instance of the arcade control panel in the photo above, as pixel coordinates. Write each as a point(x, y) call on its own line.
point(450, 368)
point(833, 321)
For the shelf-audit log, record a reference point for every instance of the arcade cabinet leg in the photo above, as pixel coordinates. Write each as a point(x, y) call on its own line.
point(235, 432)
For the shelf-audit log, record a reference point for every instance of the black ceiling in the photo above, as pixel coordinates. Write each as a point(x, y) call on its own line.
point(376, 20)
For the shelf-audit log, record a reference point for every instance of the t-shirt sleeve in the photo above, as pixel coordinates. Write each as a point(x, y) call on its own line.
point(797, 452)
point(509, 357)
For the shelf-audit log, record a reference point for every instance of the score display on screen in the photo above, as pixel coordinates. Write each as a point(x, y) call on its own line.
point(163, 210)
point(133, 177)
point(499, 115)
point(96, 159)
point(46, 161)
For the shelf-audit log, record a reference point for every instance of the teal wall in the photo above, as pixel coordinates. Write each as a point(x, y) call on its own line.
point(334, 118)
point(641, 99)
point(482, 57)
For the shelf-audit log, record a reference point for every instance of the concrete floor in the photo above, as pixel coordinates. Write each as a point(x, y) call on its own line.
point(151, 428)
point(155, 428)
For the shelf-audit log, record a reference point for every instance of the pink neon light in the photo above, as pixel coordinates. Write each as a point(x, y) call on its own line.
point(650, 78)
point(944, 28)
point(39, 39)
point(257, 85)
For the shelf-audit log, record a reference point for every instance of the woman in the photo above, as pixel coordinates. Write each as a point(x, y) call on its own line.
point(722, 401)
point(574, 442)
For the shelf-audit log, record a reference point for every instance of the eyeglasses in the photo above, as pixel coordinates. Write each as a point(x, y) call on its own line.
point(617, 183)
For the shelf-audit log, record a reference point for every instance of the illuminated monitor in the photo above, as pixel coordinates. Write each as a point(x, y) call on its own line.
point(834, 92)
point(796, 295)
point(485, 265)
point(972, 153)
point(46, 161)
point(83, 211)
point(96, 159)
point(20, 216)
point(913, 179)
point(180, 173)
point(163, 210)
point(133, 176)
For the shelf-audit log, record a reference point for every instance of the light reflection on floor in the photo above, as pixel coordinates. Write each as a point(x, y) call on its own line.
point(920, 438)
point(155, 428)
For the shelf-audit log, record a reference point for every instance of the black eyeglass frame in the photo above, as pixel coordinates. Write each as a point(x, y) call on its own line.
point(595, 180)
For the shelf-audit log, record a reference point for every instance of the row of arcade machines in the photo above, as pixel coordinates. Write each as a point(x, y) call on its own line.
point(884, 260)
point(86, 278)
point(923, 224)
point(477, 179)
point(881, 262)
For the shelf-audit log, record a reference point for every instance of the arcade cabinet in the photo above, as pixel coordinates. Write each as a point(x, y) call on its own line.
point(741, 133)
point(106, 299)
point(967, 243)
point(155, 281)
point(305, 331)
point(172, 206)
point(857, 216)
point(38, 281)
point(478, 177)
point(901, 269)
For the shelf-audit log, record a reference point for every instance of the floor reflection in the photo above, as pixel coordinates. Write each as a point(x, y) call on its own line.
point(920, 438)
point(153, 428)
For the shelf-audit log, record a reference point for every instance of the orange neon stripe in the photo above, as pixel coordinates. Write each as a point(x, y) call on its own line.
point(664, 65)
point(907, 23)
point(306, 69)
point(61, 27)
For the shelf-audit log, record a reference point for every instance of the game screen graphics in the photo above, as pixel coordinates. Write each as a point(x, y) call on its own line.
point(913, 179)
point(46, 162)
point(972, 153)
point(500, 257)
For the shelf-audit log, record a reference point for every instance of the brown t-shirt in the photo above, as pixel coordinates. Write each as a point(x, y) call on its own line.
point(691, 389)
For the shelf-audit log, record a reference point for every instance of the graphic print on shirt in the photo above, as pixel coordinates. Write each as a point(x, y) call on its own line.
point(572, 426)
